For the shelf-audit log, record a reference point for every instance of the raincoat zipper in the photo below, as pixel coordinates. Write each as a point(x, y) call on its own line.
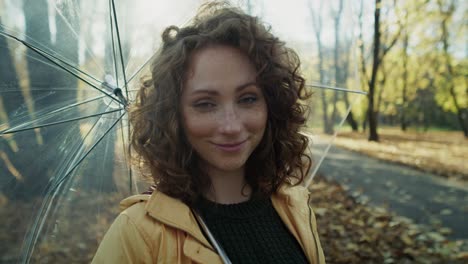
point(312, 229)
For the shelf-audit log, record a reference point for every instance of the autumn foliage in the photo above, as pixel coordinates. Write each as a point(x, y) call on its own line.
point(351, 232)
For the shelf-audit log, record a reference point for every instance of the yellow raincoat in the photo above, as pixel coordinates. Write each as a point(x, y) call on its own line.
point(159, 229)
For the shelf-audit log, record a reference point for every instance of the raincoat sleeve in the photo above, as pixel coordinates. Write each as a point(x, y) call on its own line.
point(124, 242)
point(319, 249)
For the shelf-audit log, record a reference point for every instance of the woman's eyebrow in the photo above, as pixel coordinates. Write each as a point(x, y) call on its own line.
point(205, 91)
point(243, 86)
point(213, 91)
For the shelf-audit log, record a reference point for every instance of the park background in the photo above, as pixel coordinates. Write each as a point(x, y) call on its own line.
point(409, 57)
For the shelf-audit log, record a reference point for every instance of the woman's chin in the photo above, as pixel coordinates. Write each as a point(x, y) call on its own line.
point(228, 165)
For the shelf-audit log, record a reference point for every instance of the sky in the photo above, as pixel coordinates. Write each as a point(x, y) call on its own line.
point(291, 20)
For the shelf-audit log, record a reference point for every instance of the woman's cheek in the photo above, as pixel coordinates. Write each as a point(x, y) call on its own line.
point(198, 126)
point(257, 118)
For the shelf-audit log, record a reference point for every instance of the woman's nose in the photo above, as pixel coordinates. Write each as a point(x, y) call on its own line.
point(230, 122)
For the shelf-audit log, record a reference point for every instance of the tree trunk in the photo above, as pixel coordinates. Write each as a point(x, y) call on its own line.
point(67, 42)
point(327, 127)
point(404, 105)
point(364, 122)
point(11, 167)
point(99, 170)
point(372, 115)
point(338, 80)
point(317, 24)
point(364, 82)
point(462, 118)
point(381, 83)
point(37, 29)
point(352, 122)
point(350, 117)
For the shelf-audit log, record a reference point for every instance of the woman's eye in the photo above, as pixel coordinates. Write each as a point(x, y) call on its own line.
point(248, 99)
point(204, 105)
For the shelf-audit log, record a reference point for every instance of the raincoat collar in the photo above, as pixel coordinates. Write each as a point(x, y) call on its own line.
point(169, 211)
point(174, 213)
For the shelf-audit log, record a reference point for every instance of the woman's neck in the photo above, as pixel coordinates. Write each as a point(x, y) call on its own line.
point(228, 187)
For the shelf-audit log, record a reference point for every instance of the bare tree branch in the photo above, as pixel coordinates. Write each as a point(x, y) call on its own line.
point(386, 49)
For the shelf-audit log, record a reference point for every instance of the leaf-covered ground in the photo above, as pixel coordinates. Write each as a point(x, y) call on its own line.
point(351, 232)
point(440, 152)
point(359, 231)
point(66, 241)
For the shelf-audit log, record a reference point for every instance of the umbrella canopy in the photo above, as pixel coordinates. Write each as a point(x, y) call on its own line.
point(69, 71)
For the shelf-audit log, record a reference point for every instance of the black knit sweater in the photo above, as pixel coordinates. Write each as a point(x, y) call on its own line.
point(251, 232)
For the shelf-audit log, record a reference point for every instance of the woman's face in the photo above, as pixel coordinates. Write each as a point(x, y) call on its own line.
point(224, 111)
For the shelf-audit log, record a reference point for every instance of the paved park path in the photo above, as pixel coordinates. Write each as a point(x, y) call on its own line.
point(423, 197)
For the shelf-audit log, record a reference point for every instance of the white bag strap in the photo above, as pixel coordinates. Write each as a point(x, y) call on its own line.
point(211, 238)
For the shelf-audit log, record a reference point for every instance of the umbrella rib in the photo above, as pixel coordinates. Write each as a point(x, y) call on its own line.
point(335, 88)
point(120, 48)
point(50, 189)
point(114, 54)
point(308, 179)
point(137, 71)
point(51, 55)
point(127, 155)
point(130, 171)
point(57, 111)
point(77, 104)
point(70, 27)
point(67, 174)
point(44, 53)
point(10, 131)
point(34, 89)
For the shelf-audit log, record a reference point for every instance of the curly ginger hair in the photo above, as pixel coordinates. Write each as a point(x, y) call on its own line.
point(158, 135)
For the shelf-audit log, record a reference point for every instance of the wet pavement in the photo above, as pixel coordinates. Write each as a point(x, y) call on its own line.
point(420, 196)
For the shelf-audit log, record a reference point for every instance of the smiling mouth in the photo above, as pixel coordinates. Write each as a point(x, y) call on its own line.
point(231, 147)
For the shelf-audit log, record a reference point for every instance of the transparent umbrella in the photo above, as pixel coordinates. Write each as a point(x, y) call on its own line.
point(69, 71)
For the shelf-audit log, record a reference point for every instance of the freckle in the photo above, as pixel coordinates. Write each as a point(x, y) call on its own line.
point(190, 73)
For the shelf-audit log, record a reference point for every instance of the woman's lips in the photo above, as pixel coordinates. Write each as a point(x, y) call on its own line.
point(231, 147)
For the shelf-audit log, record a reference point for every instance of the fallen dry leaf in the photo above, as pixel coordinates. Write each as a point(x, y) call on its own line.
point(351, 232)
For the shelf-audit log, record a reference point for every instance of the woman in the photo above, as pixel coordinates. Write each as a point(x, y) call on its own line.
point(217, 131)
